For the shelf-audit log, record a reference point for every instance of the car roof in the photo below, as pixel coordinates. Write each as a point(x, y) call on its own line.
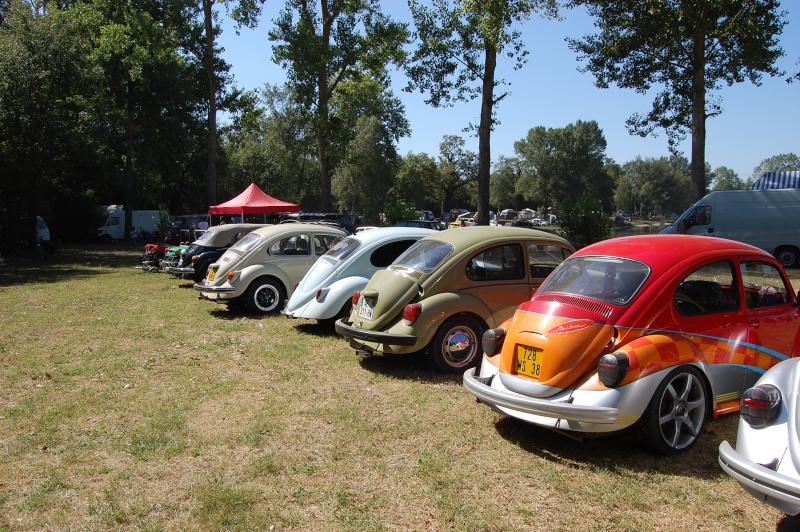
point(469, 236)
point(662, 252)
point(221, 234)
point(386, 233)
point(295, 228)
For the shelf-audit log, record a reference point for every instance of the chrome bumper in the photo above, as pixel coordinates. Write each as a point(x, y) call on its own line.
point(481, 388)
point(378, 337)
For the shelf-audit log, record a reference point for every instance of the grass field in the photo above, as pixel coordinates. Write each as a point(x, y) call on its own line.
point(126, 402)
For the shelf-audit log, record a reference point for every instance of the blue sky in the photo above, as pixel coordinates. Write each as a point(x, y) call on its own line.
point(549, 91)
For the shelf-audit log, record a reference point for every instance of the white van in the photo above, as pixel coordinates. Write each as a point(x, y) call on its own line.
point(114, 226)
point(768, 219)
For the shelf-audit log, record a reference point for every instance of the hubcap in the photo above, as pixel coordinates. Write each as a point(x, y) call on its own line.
point(266, 298)
point(682, 412)
point(458, 346)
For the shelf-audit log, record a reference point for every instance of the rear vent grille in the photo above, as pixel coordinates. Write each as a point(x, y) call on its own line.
point(580, 302)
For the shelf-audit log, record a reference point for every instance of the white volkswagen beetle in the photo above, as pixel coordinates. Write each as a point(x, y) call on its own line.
point(766, 460)
point(326, 291)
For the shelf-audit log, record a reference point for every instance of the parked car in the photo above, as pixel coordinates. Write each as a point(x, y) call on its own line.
point(335, 219)
point(666, 329)
point(262, 268)
point(425, 224)
point(445, 290)
point(766, 460)
point(326, 290)
point(208, 248)
point(185, 228)
point(507, 214)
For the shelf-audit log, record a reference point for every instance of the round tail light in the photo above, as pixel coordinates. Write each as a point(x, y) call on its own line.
point(760, 405)
point(612, 369)
point(492, 341)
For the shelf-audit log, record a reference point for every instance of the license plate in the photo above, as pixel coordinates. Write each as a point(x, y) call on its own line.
point(365, 308)
point(529, 361)
point(212, 272)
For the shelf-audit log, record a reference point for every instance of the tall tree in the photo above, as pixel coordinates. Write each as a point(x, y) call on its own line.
point(456, 60)
point(325, 43)
point(245, 13)
point(657, 187)
point(691, 48)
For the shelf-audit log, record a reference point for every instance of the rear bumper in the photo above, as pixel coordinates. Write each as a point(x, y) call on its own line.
point(352, 333)
point(482, 389)
point(768, 486)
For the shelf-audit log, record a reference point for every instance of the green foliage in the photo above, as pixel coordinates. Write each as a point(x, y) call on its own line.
point(417, 182)
point(164, 223)
point(724, 178)
point(366, 172)
point(652, 186)
point(783, 162)
point(399, 210)
point(583, 221)
point(558, 163)
point(503, 192)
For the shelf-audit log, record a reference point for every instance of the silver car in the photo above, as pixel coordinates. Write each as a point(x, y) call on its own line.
point(766, 460)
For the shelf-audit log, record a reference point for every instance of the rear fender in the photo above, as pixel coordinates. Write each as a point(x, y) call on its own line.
point(655, 352)
point(441, 307)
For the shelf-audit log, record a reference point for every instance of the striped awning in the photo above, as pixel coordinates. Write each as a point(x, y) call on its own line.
point(777, 180)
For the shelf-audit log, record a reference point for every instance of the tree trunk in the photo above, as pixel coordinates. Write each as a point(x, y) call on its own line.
point(212, 103)
point(128, 163)
point(484, 134)
point(698, 164)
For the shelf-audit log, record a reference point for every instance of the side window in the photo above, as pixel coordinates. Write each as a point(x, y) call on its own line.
point(708, 290)
point(700, 216)
point(113, 220)
point(386, 254)
point(763, 285)
point(291, 245)
point(322, 243)
point(543, 259)
point(501, 263)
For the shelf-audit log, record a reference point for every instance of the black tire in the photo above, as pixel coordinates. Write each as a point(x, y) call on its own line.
point(264, 296)
point(200, 271)
point(678, 411)
point(456, 346)
point(788, 256)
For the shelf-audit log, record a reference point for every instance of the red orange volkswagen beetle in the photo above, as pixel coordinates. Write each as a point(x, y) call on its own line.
point(663, 330)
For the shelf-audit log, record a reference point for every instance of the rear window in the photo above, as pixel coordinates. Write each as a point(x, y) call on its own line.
point(425, 255)
point(343, 249)
point(247, 243)
point(610, 279)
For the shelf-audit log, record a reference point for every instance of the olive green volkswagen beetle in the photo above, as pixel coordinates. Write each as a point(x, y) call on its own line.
point(447, 289)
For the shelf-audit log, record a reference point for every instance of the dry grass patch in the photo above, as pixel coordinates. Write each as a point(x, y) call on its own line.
point(125, 402)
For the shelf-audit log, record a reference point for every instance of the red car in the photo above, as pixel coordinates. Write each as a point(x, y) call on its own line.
point(664, 330)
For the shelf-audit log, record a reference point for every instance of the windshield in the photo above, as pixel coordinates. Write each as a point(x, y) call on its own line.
point(247, 243)
point(343, 249)
point(425, 255)
point(610, 279)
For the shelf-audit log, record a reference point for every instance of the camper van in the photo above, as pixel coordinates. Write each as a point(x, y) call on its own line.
point(768, 219)
point(114, 226)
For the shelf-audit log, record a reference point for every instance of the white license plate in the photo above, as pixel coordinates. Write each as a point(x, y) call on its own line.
point(365, 308)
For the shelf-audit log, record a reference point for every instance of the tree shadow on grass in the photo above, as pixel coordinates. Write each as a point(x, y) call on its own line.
point(73, 261)
point(624, 450)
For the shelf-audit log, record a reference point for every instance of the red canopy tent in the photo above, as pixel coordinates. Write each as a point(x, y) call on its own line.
point(253, 201)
